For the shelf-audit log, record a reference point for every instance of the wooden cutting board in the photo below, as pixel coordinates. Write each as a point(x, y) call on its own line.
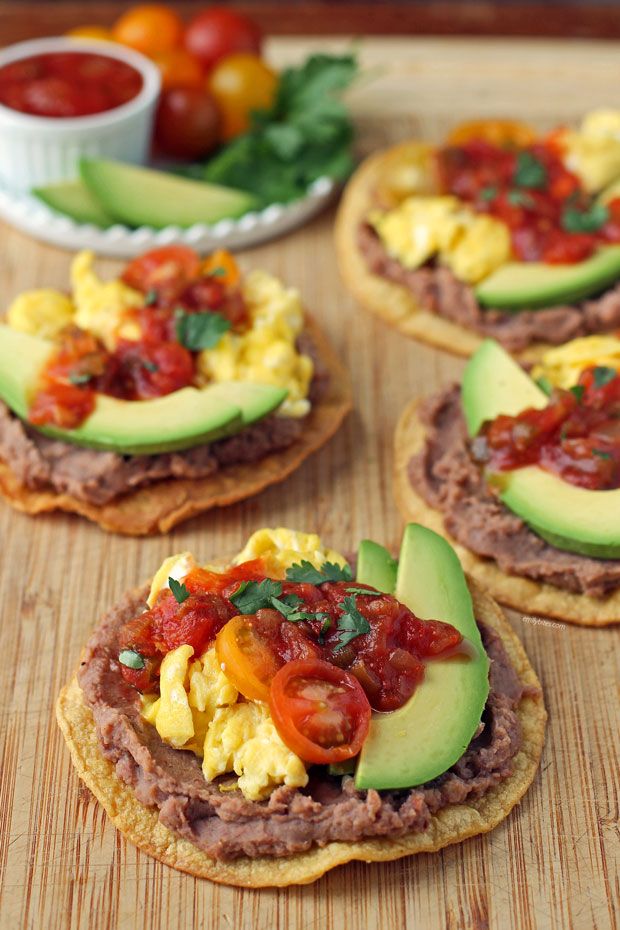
point(553, 863)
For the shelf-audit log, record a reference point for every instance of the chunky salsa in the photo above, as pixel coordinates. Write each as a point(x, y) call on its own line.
point(576, 436)
point(188, 305)
point(68, 84)
point(322, 653)
point(550, 216)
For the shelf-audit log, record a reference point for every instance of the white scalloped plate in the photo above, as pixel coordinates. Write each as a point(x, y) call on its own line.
point(33, 217)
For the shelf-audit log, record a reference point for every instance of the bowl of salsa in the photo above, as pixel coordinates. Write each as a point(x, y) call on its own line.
point(61, 98)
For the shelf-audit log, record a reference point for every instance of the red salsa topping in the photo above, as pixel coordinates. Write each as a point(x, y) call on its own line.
point(550, 216)
point(68, 84)
point(188, 305)
point(576, 436)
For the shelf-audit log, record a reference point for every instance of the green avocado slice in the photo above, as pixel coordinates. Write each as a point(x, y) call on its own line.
point(535, 285)
point(570, 518)
point(74, 200)
point(180, 420)
point(426, 736)
point(376, 567)
point(144, 197)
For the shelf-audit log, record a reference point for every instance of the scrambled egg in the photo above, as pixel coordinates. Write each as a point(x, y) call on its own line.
point(563, 365)
point(471, 244)
point(593, 151)
point(198, 708)
point(265, 353)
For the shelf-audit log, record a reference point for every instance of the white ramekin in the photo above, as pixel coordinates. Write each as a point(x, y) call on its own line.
point(38, 150)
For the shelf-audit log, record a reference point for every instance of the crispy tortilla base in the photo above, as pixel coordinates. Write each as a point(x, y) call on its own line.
point(141, 824)
point(392, 302)
point(530, 597)
point(156, 508)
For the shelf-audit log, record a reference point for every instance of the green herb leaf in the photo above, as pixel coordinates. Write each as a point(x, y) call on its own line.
point(603, 375)
point(198, 331)
point(365, 591)
point(584, 221)
point(601, 453)
point(488, 193)
point(520, 198)
point(80, 377)
point(179, 590)
point(131, 659)
point(306, 573)
point(351, 624)
point(218, 272)
point(252, 596)
point(151, 297)
point(530, 171)
point(149, 365)
point(545, 385)
point(578, 390)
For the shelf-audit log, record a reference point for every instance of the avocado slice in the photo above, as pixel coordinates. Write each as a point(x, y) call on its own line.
point(433, 729)
point(493, 383)
point(534, 285)
point(75, 200)
point(376, 567)
point(144, 197)
point(176, 421)
point(570, 518)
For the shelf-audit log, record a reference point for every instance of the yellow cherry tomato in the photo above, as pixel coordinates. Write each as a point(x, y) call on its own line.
point(240, 84)
point(502, 132)
point(246, 658)
point(91, 32)
point(150, 28)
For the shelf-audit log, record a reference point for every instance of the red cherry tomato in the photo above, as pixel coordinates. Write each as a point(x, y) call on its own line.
point(220, 31)
point(320, 711)
point(160, 268)
point(187, 124)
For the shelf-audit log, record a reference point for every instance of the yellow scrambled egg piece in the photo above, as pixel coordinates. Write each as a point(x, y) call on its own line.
point(593, 151)
point(265, 353)
point(563, 365)
point(280, 548)
point(471, 244)
point(198, 708)
point(102, 306)
point(42, 312)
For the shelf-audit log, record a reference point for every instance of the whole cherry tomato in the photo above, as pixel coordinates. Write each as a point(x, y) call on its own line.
point(240, 84)
point(179, 69)
point(187, 122)
point(150, 28)
point(320, 711)
point(170, 266)
point(220, 31)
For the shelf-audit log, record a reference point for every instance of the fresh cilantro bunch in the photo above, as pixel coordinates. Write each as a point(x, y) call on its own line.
point(306, 134)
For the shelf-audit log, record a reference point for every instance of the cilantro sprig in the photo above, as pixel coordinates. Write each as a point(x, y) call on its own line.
point(197, 331)
point(351, 624)
point(603, 375)
point(252, 596)
point(178, 589)
point(589, 220)
point(305, 573)
point(530, 171)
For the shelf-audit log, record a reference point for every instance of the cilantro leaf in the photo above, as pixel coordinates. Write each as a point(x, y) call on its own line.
point(179, 590)
point(198, 331)
point(305, 572)
point(351, 624)
point(603, 375)
point(151, 297)
point(488, 193)
point(601, 453)
point(355, 590)
point(218, 272)
point(80, 377)
point(519, 198)
point(131, 659)
point(577, 390)
point(529, 171)
point(584, 221)
point(252, 596)
point(149, 365)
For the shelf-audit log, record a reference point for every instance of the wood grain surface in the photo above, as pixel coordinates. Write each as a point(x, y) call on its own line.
point(554, 862)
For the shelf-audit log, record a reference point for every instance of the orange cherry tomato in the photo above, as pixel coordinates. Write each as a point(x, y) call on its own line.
point(246, 657)
point(502, 132)
point(320, 711)
point(240, 84)
point(222, 264)
point(91, 32)
point(179, 69)
point(150, 28)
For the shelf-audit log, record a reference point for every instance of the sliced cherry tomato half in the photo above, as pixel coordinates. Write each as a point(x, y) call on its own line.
point(320, 711)
point(174, 265)
point(246, 657)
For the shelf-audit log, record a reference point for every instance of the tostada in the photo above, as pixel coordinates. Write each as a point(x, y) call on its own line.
point(141, 401)
point(262, 720)
point(522, 474)
point(496, 234)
